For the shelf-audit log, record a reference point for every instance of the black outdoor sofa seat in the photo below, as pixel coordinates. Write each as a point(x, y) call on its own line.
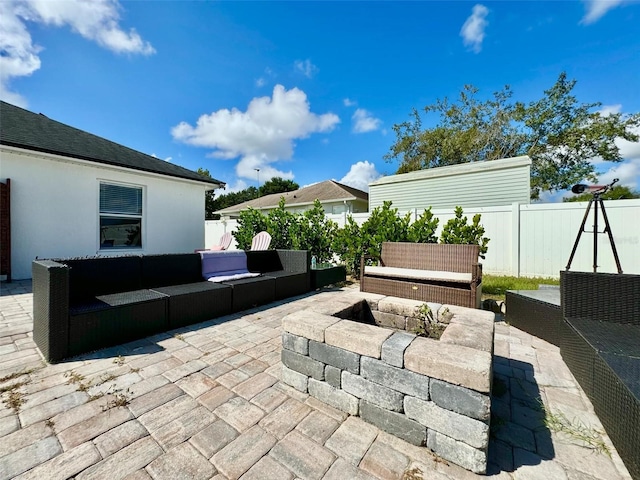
point(84, 304)
point(596, 323)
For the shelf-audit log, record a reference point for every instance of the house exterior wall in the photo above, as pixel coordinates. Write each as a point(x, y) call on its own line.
point(481, 184)
point(55, 203)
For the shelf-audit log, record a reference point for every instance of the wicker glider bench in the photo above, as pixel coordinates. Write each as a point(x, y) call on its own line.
point(84, 304)
point(440, 273)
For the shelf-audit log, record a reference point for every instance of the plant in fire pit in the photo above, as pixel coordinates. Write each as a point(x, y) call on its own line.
point(428, 326)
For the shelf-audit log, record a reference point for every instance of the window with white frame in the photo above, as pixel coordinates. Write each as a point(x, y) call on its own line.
point(120, 216)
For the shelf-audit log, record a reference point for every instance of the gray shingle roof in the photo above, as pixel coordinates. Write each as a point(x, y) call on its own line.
point(24, 129)
point(327, 191)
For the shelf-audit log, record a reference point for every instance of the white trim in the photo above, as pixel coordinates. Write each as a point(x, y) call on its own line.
point(104, 166)
point(449, 170)
point(143, 217)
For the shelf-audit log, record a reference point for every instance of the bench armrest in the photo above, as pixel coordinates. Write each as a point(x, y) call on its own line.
point(476, 273)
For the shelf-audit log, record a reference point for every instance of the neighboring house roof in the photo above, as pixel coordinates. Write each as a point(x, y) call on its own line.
point(24, 129)
point(327, 191)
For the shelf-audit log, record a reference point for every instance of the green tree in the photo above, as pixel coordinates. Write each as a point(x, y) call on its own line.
point(277, 185)
point(234, 198)
point(616, 193)
point(560, 135)
point(209, 197)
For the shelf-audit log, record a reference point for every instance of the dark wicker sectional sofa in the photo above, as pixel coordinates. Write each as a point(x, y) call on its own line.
point(597, 327)
point(81, 305)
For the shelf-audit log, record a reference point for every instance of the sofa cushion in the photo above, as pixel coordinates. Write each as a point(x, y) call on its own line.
point(91, 277)
point(225, 265)
point(171, 269)
point(410, 273)
point(263, 261)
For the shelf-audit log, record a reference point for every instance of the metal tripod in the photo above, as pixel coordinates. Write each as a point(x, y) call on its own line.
point(596, 200)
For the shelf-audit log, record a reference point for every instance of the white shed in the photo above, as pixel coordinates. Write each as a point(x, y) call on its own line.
point(477, 184)
point(75, 194)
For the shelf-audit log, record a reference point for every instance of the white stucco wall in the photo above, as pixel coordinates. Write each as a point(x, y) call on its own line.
point(54, 208)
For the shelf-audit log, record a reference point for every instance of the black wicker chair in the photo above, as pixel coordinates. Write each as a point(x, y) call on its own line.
point(601, 346)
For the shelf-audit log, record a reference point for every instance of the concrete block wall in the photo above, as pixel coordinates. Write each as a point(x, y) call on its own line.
point(428, 392)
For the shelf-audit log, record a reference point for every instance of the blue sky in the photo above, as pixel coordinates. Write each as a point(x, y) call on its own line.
point(303, 90)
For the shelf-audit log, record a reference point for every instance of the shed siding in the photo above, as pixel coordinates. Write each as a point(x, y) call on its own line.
point(468, 187)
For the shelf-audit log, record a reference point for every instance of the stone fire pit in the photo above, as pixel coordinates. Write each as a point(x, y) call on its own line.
point(433, 393)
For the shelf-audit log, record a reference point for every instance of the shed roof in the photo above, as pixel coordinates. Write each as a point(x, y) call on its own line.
point(24, 129)
point(327, 191)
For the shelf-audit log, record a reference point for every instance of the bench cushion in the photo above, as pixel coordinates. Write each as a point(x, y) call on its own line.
point(410, 273)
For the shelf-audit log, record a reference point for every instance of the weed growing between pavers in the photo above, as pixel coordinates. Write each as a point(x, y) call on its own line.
point(77, 379)
point(588, 436)
point(11, 395)
point(119, 398)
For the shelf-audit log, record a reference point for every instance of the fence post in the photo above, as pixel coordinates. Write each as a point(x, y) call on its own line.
point(515, 239)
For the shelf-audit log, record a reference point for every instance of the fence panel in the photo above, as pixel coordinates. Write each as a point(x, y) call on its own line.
point(530, 240)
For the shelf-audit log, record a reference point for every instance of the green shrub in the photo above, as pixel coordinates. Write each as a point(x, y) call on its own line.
point(315, 232)
point(457, 231)
point(423, 230)
point(250, 222)
point(347, 244)
point(282, 226)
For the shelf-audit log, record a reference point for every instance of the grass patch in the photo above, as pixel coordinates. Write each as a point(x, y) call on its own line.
point(495, 286)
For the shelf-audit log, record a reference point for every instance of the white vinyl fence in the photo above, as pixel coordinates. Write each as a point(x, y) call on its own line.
point(532, 240)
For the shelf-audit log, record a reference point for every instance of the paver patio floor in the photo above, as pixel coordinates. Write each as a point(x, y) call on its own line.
point(206, 402)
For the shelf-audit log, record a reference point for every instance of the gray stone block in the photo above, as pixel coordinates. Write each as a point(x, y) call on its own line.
point(393, 348)
point(332, 376)
point(394, 423)
point(297, 380)
point(372, 392)
point(389, 320)
point(457, 452)
point(404, 381)
point(337, 357)
point(472, 432)
point(461, 400)
point(295, 343)
point(334, 397)
point(302, 364)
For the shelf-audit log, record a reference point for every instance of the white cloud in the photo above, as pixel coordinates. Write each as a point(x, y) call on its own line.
point(260, 82)
point(360, 175)
point(472, 31)
point(596, 9)
point(238, 186)
point(168, 159)
point(364, 121)
point(349, 103)
point(260, 136)
point(305, 67)
point(96, 20)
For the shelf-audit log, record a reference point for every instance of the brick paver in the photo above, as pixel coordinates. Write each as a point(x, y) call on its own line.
point(207, 402)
